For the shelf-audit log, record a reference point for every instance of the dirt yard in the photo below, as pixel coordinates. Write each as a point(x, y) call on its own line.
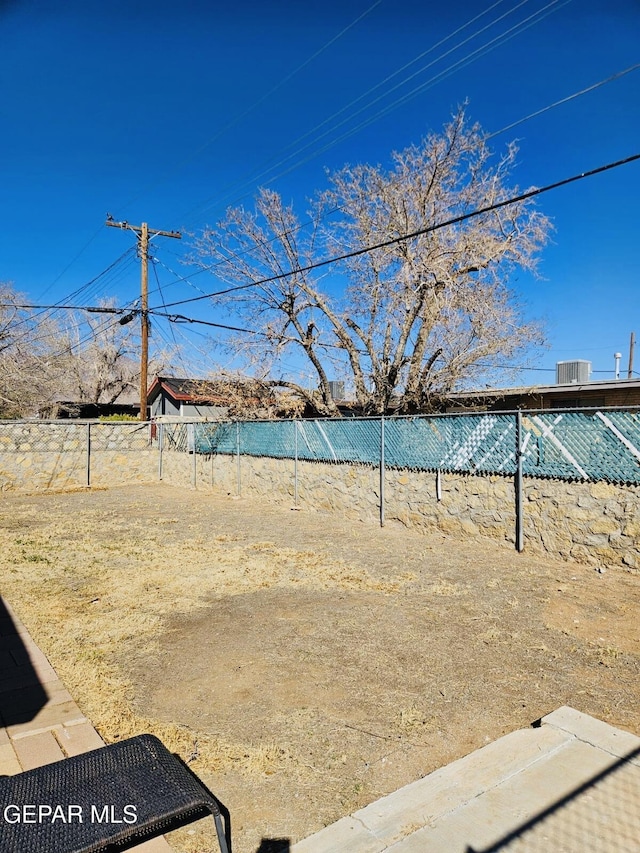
point(305, 664)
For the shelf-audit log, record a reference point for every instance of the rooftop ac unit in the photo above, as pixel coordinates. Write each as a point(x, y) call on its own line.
point(572, 372)
point(337, 390)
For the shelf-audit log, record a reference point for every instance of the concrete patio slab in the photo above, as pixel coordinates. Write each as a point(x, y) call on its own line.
point(569, 784)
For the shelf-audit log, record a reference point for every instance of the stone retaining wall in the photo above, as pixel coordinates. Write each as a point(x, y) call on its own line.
point(34, 471)
point(59, 456)
point(596, 523)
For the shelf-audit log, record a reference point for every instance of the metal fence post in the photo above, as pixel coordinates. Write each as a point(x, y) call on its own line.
point(160, 448)
point(88, 455)
point(518, 485)
point(438, 485)
point(382, 471)
point(194, 473)
point(295, 462)
point(238, 483)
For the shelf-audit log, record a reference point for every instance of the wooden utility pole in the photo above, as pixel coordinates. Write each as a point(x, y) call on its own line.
point(143, 233)
point(632, 343)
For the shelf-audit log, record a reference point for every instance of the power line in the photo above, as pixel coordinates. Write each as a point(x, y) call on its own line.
point(33, 322)
point(186, 277)
point(86, 288)
point(72, 261)
point(497, 41)
point(491, 135)
point(532, 19)
point(237, 119)
point(429, 229)
point(566, 100)
point(177, 347)
point(93, 335)
point(336, 259)
point(180, 318)
point(92, 309)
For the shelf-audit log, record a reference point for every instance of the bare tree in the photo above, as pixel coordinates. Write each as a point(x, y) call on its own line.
point(105, 362)
point(32, 358)
point(94, 360)
point(245, 397)
point(409, 321)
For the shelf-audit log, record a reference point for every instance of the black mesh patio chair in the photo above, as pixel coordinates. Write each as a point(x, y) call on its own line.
point(109, 799)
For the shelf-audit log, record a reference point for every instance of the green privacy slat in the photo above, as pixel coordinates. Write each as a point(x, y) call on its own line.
point(575, 445)
point(571, 445)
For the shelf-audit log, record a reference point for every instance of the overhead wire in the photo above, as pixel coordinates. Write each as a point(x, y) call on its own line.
point(72, 262)
point(521, 26)
point(177, 347)
point(92, 309)
point(33, 322)
point(85, 287)
point(117, 275)
point(237, 119)
point(131, 250)
point(566, 100)
point(365, 94)
point(181, 318)
point(92, 335)
point(437, 78)
point(530, 21)
point(178, 280)
point(455, 32)
point(256, 177)
point(506, 128)
point(418, 232)
point(96, 332)
point(490, 135)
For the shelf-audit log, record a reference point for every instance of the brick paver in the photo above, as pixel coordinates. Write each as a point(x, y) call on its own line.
point(37, 749)
point(78, 738)
point(9, 763)
point(39, 720)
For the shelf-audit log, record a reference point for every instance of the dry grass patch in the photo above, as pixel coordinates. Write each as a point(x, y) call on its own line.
point(306, 665)
point(88, 592)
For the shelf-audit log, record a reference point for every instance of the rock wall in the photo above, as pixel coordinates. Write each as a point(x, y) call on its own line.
point(39, 457)
point(596, 523)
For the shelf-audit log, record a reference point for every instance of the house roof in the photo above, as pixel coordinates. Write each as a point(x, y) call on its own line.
point(530, 390)
point(186, 390)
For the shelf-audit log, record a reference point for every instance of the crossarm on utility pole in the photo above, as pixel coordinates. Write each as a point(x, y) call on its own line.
point(143, 234)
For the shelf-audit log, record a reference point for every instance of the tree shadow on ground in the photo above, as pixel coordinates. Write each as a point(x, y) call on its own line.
point(274, 845)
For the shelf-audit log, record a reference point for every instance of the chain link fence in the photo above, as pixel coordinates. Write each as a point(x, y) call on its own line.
point(586, 447)
point(16, 437)
point(64, 454)
point(71, 437)
point(570, 445)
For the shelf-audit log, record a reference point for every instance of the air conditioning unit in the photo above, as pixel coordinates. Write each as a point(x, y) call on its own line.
point(337, 390)
point(572, 372)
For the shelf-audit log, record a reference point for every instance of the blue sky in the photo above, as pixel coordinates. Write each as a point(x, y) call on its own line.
point(167, 113)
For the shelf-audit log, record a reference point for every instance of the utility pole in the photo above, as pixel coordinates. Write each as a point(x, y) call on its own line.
point(632, 343)
point(143, 234)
